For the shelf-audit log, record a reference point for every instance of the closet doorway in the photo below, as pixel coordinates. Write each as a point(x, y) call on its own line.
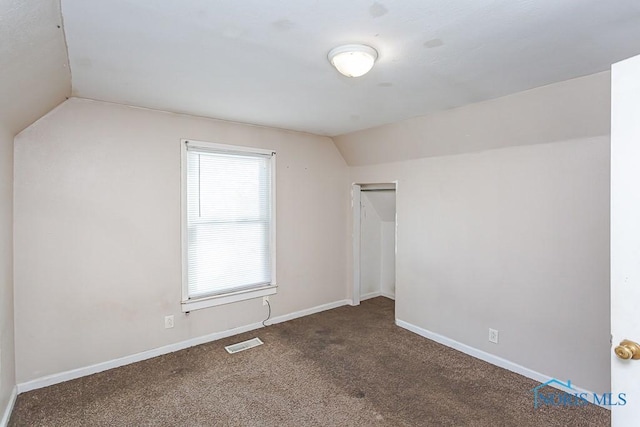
point(374, 241)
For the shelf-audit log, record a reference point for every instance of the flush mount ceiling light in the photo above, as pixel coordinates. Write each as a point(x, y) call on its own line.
point(353, 60)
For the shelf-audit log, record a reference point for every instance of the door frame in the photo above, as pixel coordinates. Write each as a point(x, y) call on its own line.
point(356, 200)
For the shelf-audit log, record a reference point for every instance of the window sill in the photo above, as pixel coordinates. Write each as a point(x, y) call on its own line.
point(212, 301)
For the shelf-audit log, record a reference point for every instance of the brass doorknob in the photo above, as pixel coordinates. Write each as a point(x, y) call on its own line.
point(628, 350)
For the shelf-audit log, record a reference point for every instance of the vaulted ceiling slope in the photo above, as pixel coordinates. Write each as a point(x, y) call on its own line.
point(264, 62)
point(34, 71)
point(572, 109)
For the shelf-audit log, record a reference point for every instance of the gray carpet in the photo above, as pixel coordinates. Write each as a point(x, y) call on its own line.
point(350, 366)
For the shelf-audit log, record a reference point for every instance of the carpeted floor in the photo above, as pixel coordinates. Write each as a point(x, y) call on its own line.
point(350, 366)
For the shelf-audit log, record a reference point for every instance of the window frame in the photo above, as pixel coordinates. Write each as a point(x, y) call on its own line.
point(190, 304)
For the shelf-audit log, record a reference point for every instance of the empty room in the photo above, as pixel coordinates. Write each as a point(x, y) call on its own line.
point(319, 213)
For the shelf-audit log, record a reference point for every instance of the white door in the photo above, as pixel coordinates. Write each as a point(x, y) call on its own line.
point(625, 236)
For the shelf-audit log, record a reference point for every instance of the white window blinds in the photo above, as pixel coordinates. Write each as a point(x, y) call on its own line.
point(229, 220)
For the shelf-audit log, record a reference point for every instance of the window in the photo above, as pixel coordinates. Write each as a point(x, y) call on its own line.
point(228, 224)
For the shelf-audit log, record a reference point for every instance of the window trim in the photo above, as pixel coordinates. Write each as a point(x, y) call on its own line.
point(190, 304)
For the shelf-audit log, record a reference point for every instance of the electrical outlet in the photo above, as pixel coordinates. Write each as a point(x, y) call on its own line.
point(168, 321)
point(265, 300)
point(493, 335)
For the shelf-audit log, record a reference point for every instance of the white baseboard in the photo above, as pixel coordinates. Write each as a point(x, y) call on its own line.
point(370, 295)
point(308, 311)
point(487, 357)
point(126, 360)
point(377, 294)
point(388, 295)
point(7, 411)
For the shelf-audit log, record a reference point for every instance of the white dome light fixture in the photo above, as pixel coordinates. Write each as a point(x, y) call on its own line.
point(353, 60)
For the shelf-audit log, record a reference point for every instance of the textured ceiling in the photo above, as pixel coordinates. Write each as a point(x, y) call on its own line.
point(264, 62)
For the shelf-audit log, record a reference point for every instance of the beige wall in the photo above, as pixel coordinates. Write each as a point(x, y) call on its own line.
point(97, 232)
point(515, 239)
point(35, 78)
point(7, 367)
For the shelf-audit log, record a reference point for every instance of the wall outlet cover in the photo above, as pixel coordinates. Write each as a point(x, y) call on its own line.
point(493, 336)
point(168, 321)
